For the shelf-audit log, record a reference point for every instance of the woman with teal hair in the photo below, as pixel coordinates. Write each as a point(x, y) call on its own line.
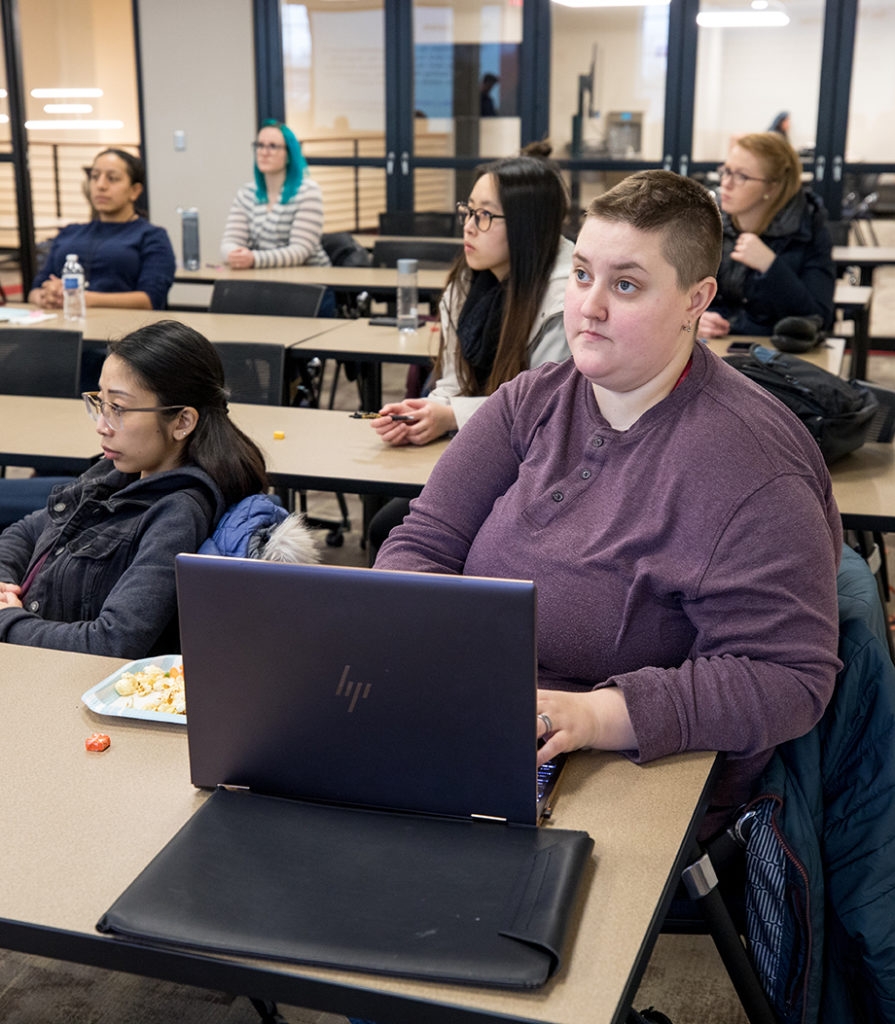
point(276, 220)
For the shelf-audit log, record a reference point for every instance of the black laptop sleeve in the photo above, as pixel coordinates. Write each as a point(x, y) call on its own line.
point(474, 902)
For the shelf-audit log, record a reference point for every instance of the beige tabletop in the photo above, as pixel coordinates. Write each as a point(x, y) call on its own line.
point(80, 826)
point(876, 255)
point(320, 450)
point(369, 239)
point(864, 487)
point(361, 340)
point(829, 355)
point(104, 324)
point(852, 295)
point(378, 279)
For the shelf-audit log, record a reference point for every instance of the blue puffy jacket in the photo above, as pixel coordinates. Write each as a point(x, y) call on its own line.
point(245, 527)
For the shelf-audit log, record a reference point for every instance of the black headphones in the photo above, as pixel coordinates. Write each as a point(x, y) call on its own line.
point(798, 333)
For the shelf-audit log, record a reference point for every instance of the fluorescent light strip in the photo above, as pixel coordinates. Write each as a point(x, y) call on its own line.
point(4, 119)
point(593, 4)
point(68, 108)
point(65, 94)
point(61, 126)
point(742, 19)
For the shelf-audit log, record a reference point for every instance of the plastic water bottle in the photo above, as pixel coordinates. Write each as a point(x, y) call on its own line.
point(408, 317)
point(74, 305)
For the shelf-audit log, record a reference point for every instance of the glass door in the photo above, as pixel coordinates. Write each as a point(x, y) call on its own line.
point(608, 72)
point(334, 63)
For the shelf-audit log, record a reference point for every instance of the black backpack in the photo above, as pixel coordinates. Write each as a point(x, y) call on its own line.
point(838, 413)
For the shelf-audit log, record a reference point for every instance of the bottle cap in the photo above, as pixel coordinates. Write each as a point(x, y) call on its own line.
point(407, 266)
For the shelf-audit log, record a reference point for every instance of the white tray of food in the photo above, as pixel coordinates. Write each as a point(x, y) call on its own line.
point(149, 688)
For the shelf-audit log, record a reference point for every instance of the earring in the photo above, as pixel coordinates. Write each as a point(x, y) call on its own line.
point(688, 326)
point(766, 195)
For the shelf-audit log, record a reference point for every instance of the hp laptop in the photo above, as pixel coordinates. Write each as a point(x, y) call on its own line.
point(356, 694)
point(362, 687)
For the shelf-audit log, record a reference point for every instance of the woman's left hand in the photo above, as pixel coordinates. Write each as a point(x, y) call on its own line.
point(50, 296)
point(241, 258)
point(752, 251)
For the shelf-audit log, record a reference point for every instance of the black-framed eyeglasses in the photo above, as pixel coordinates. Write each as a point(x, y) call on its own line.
point(737, 177)
point(482, 218)
point(267, 147)
point(112, 413)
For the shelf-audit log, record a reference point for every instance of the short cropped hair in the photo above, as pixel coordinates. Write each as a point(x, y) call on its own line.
point(781, 166)
point(684, 211)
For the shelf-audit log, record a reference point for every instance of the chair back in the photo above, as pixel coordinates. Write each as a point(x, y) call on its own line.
point(254, 372)
point(434, 223)
point(39, 362)
point(432, 254)
point(266, 298)
point(882, 426)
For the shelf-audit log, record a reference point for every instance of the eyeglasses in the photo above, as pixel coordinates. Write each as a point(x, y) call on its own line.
point(112, 413)
point(737, 177)
point(267, 147)
point(482, 218)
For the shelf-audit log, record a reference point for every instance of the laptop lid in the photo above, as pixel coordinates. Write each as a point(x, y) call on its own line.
point(397, 690)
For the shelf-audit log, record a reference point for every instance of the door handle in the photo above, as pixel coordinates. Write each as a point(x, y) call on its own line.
point(820, 166)
point(390, 164)
point(405, 163)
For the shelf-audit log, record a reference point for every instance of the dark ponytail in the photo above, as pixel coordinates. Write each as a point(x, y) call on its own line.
point(181, 367)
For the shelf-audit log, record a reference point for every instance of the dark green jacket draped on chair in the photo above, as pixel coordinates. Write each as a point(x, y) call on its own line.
point(821, 859)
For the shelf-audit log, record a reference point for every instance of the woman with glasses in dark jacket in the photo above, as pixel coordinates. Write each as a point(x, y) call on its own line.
point(777, 251)
point(94, 570)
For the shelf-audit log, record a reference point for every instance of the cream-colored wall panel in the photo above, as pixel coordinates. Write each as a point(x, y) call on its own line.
point(198, 78)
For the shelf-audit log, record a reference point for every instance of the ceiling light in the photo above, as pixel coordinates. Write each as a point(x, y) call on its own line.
point(65, 94)
point(612, 3)
point(55, 126)
point(68, 108)
point(753, 18)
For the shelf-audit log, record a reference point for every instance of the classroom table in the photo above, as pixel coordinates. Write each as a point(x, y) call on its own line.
point(829, 354)
point(102, 324)
point(865, 257)
point(369, 239)
point(864, 488)
point(81, 826)
point(371, 345)
point(854, 301)
point(378, 281)
point(320, 450)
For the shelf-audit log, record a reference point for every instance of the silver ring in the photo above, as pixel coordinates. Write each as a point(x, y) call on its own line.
point(548, 725)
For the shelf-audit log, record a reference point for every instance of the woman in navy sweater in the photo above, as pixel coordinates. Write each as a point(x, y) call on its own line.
point(127, 261)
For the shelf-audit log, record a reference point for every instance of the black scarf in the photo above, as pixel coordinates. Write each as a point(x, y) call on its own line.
point(478, 326)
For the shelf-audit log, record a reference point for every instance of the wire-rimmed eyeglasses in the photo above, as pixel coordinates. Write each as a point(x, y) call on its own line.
point(267, 147)
point(112, 413)
point(482, 218)
point(737, 177)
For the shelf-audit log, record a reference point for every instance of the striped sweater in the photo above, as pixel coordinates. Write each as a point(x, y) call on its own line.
point(281, 234)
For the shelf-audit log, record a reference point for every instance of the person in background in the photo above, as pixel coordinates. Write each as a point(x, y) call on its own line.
point(277, 219)
point(780, 124)
point(501, 310)
point(677, 520)
point(127, 261)
point(487, 106)
point(778, 254)
point(94, 570)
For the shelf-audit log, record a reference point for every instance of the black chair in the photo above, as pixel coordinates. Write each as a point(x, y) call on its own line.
point(254, 372)
point(437, 223)
point(38, 362)
point(431, 253)
point(266, 298)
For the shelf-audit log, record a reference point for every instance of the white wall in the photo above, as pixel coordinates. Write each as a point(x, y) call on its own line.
point(198, 68)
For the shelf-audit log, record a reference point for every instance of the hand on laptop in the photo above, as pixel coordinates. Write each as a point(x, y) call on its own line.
point(597, 719)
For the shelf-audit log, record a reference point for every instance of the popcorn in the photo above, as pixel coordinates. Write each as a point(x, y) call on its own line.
point(154, 689)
